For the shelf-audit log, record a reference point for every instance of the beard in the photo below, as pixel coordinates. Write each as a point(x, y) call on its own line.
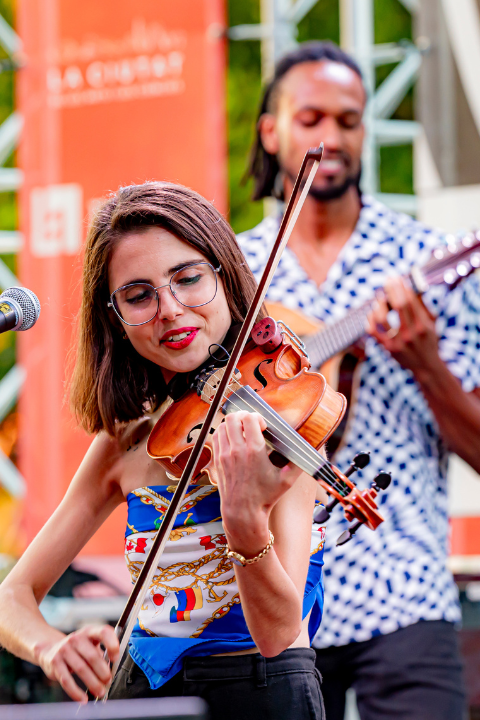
point(335, 191)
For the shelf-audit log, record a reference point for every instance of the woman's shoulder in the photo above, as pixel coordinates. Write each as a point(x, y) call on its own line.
point(105, 451)
point(135, 468)
point(136, 432)
point(109, 450)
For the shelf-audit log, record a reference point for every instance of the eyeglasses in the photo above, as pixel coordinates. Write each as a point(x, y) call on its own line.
point(192, 286)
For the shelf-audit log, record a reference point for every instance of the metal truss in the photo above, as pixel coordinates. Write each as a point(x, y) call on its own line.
point(358, 38)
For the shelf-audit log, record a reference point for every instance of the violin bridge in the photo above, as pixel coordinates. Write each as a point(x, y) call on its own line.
point(212, 381)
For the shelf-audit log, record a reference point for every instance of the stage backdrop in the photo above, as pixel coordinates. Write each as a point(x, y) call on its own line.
point(112, 93)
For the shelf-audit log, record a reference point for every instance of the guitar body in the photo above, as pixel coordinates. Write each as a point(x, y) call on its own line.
point(341, 371)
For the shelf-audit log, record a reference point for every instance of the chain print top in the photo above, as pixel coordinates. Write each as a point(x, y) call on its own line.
point(193, 604)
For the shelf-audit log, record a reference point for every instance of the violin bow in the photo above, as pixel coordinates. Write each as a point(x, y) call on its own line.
point(134, 603)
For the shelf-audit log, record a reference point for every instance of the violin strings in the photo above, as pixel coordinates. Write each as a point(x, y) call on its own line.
point(302, 449)
point(315, 456)
point(309, 452)
point(278, 423)
point(298, 450)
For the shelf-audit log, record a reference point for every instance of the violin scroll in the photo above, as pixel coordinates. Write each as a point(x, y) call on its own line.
point(380, 482)
point(360, 461)
point(358, 505)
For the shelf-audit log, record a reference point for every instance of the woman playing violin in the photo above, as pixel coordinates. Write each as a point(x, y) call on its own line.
point(164, 281)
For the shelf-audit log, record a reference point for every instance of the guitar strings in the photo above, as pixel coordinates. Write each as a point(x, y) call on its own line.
point(328, 341)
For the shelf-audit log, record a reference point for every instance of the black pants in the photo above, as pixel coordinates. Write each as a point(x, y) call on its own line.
point(412, 674)
point(241, 687)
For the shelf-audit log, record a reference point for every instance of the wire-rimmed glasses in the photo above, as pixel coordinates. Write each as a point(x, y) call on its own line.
point(192, 286)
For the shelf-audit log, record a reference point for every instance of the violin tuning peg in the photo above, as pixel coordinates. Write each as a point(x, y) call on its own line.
point(361, 459)
point(321, 515)
point(359, 462)
point(349, 533)
point(381, 481)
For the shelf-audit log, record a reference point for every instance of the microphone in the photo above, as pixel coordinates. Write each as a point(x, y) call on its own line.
point(19, 309)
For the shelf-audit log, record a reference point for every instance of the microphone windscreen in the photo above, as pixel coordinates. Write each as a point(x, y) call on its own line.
point(28, 302)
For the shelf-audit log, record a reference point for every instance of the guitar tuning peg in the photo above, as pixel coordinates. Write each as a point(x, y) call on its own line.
point(381, 481)
point(450, 276)
point(451, 241)
point(462, 269)
point(349, 533)
point(475, 260)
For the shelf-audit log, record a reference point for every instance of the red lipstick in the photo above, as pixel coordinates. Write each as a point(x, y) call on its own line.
point(179, 344)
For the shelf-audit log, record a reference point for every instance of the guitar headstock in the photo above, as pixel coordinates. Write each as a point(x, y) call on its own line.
point(449, 263)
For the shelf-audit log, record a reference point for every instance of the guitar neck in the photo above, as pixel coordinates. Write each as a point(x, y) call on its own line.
point(339, 336)
point(448, 264)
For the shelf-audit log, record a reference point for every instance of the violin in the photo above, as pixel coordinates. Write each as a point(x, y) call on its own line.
point(300, 409)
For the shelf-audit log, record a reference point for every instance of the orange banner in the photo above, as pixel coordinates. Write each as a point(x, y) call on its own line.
point(112, 93)
point(465, 536)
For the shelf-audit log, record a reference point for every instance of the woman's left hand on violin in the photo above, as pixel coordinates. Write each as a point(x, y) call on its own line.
point(249, 484)
point(414, 343)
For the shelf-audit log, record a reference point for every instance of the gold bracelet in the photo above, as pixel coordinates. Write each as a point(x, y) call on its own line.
point(238, 559)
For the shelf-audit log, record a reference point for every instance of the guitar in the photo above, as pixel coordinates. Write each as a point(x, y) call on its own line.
point(333, 348)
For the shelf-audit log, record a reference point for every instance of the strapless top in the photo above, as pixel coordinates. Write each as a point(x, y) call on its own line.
point(193, 604)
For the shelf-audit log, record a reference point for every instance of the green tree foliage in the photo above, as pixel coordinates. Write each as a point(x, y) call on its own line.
point(392, 24)
point(243, 96)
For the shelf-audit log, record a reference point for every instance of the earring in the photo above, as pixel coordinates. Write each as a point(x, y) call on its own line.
point(124, 336)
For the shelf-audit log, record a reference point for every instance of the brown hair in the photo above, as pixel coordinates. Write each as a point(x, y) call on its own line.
point(111, 382)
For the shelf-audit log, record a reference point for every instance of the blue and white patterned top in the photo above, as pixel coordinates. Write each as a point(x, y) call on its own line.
point(391, 578)
point(193, 604)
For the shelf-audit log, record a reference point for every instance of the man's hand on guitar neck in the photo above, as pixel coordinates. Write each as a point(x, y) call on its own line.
point(414, 344)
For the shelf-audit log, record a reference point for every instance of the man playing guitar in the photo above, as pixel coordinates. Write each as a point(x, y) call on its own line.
point(391, 604)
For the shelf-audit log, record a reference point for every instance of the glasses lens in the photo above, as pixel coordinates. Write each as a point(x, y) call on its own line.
point(194, 285)
point(136, 304)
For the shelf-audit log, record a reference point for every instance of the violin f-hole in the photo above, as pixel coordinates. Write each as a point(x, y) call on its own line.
point(258, 375)
point(191, 439)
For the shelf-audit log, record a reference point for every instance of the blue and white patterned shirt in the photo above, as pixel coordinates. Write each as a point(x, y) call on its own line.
point(391, 578)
